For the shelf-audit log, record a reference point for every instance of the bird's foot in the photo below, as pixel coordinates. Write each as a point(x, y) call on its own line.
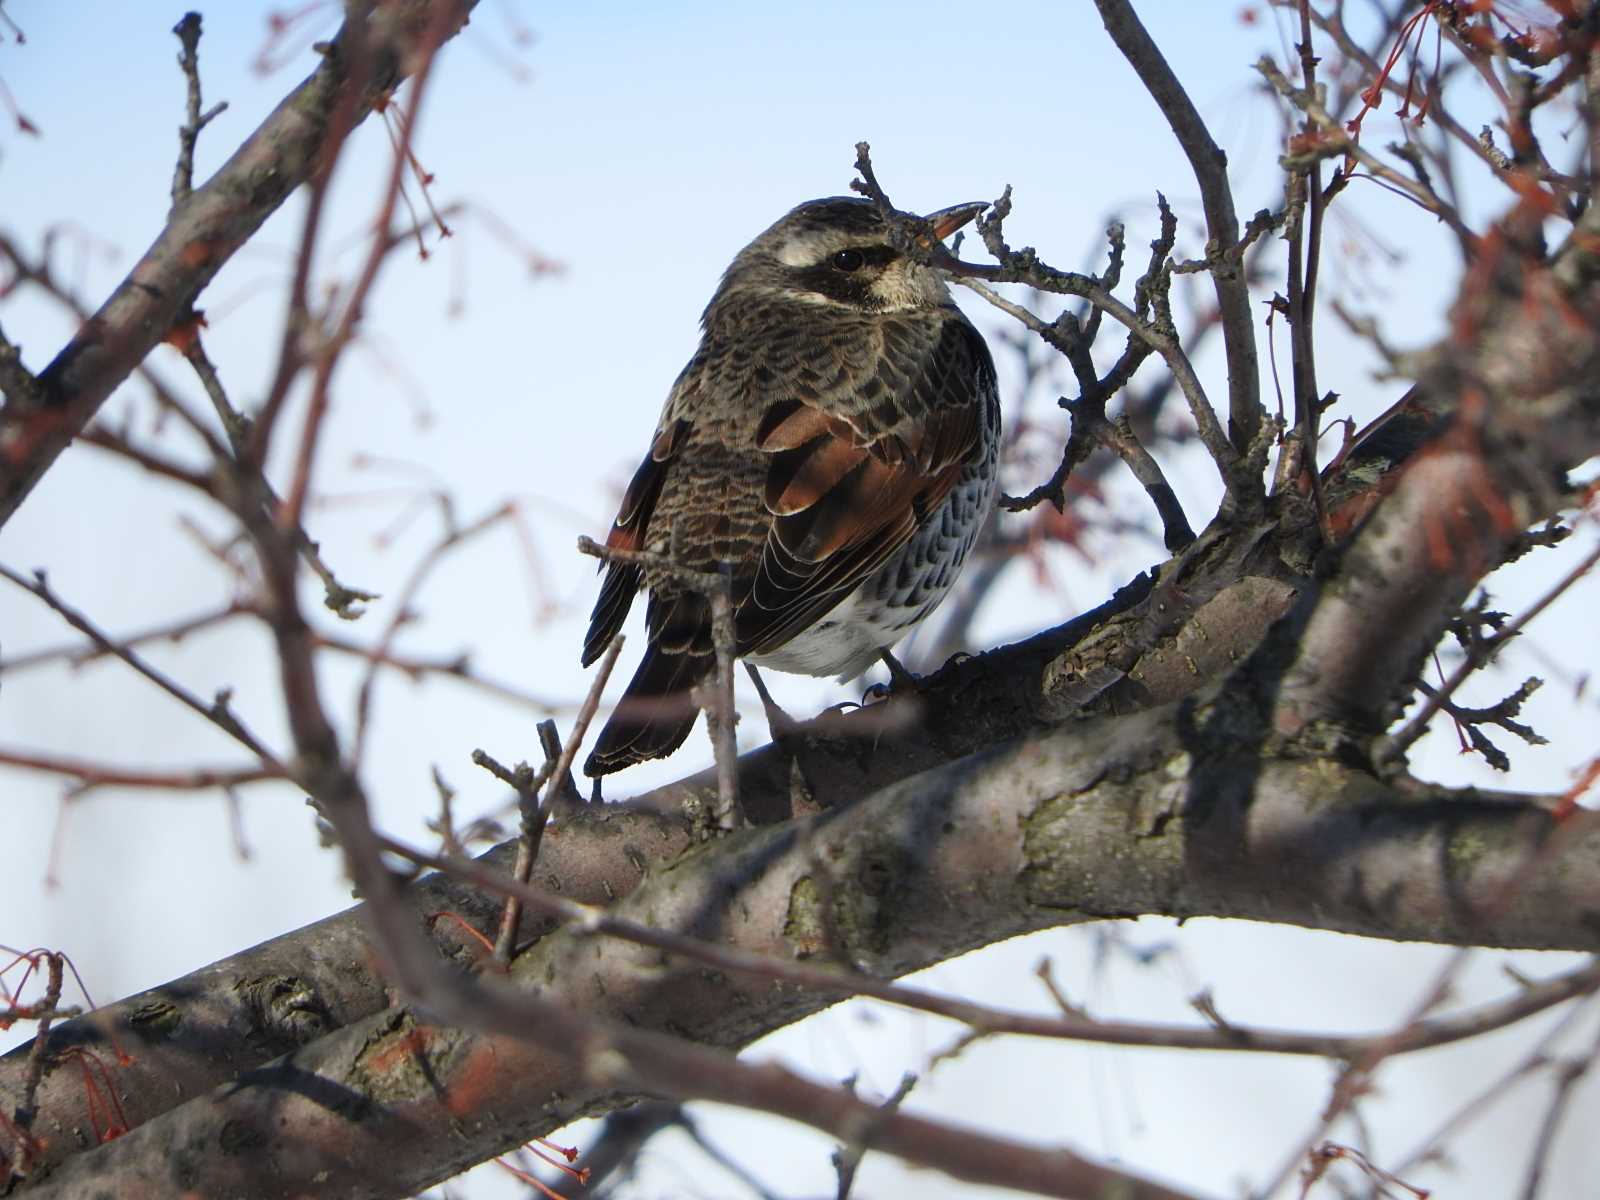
point(779, 723)
point(901, 680)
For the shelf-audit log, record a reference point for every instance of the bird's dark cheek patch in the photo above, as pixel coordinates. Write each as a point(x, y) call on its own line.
point(853, 288)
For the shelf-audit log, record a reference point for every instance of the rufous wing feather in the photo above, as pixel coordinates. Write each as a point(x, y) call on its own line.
point(628, 533)
point(841, 507)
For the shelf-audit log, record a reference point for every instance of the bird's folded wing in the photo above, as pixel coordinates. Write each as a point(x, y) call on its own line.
point(849, 489)
point(628, 533)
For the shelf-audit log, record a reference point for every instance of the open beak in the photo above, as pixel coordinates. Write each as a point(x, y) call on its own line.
point(947, 220)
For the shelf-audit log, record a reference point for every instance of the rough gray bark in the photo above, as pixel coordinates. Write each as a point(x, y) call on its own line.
point(1092, 820)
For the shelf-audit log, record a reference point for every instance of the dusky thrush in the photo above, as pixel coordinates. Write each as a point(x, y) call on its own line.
point(832, 446)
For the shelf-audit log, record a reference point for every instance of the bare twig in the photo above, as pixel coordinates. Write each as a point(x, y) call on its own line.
point(522, 779)
point(563, 787)
point(1328, 1153)
point(847, 1159)
point(1305, 204)
point(94, 775)
point(1334, 139)
point(868, 185)
point(453, 538)
point(1568, 1075)
point(167, 468)
point(439, 26)
point(1090, 426)
point(536, 815)
point(1356, 1074)
point(1036, 274)
point(1118, 435)
point(456, 666)
point(218, 712)
point(188, 31)
point(1394, 746)
point(1499, 1088)
point(720, 712)
point(1332, 24)
point(45, 1013)
point(1210, 168)
point(79, 654)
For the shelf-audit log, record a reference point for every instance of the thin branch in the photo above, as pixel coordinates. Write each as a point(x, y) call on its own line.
point(217, 713)
point(1568, 1076)
point(1355, 1077)
point(437, 30)
point(1496, 1090)
point(1393, 747)
point(93, 775)
point(46, 1012)
point(188, 31)
point(79, 654)
point(98, 436)
point(339, 599)
point(455, 536)
point(1025, 269)
point(869, 185)
point(1335, 139)
point(1118, 435)
point(536, 815)
point(1210, 167)
point(847, 1159)
point(720, 713)
point(1333, 26)
point(457, 667)
point(1306, 204)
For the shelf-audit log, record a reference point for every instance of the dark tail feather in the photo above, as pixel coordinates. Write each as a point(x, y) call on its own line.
point(656, 712)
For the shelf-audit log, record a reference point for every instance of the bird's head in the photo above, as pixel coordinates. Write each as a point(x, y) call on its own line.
point(838, 252)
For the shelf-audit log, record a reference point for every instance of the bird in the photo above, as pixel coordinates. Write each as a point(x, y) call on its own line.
point(831, 447)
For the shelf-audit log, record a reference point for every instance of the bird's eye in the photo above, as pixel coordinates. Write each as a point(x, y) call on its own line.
point(848, 260)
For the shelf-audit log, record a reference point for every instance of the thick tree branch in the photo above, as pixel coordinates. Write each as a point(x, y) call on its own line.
point(206, 228)
point(1078, 824)
point(1519, 374)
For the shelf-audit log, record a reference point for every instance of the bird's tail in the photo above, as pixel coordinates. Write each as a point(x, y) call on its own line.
point(655, 714)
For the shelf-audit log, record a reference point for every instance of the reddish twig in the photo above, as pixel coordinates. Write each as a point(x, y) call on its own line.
point(536, 815)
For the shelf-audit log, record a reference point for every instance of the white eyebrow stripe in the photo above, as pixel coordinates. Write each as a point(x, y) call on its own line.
point(815, 247)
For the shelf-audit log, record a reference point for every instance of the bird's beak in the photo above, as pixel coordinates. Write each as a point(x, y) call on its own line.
point(947, 220)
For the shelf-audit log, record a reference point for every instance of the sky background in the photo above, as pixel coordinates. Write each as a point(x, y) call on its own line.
point(640, 146)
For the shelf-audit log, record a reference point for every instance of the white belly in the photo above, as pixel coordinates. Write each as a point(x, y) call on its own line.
point(887, 606)
point(844, 643)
